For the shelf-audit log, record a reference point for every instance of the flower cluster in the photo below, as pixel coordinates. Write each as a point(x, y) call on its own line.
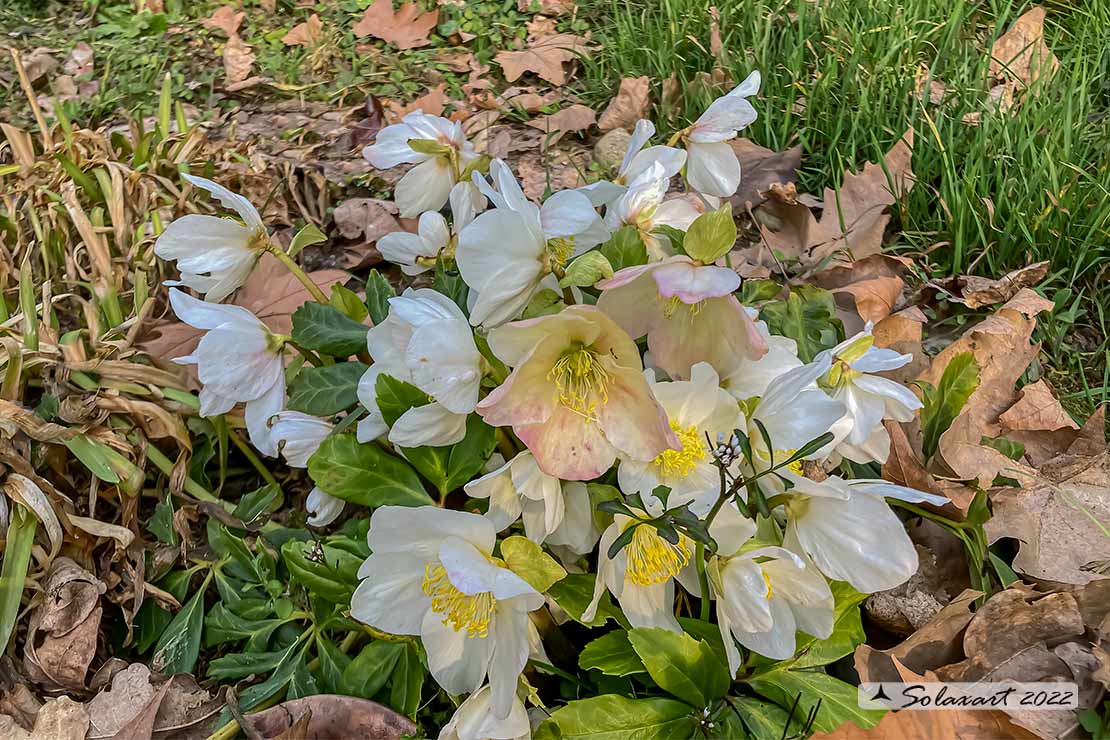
point(705, 464)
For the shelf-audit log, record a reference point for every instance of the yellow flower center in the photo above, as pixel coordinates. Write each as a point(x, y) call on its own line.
point(560, 250)
point(795, 467)
point(674, 303)
point(651, 559)
point(472, 612)
point(767, 580)
point(259, 240)
point(679, 463)
point(580, 380)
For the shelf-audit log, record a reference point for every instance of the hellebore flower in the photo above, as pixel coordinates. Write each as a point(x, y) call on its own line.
point(643, 206)
point(752, 377)
point(439, 150)
point(576, 396)
point(688, 312)
point(238, 360)
point(711, 164)
point(297, 437)
point(215, 255)
point(432, 573)
point(636, 161)
point(417, 253)
point(426, 341)
point(475, 720)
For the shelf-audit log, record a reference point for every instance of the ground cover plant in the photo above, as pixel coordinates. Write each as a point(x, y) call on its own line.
point(415, 417)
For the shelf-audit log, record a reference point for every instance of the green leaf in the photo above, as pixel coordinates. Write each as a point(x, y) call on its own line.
point(847, 631)
point(333, 663)
point(365, 474)
point(179, 646)
point(94, 456)
point(240, 665)
point(1008, 447)
point(614, 717)
point(223, 625)
point(407, 682)
point(544, 303)
point(378, 292)
point(711, 235)
point(625, 248)
point(307, 236)
point(943, 404)
point(668, 234)
point(324, 391)
point(428, 146)
point(808, 316)
point(757, 291)
point(451, 285)
point(348, 303)
point(763, 720)
point(612, 654)
point(680, 665)
point(302, 683)
point(255, 504)
point(370, 670)
point(574, 594)
point(327, 572)
point(838, 699)
point(586, 270)
point(328, 330)
point(528, 560)
point(161, 523)
point(20, 538)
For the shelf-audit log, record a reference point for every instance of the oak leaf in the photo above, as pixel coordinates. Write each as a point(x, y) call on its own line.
point(226, 19)
point(630, 104)
point(305, 34)
point(238, 59)
point(572, 119)
point(407, 28)
point(545, 57)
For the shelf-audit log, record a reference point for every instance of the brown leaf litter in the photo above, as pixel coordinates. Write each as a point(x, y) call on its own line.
point(407, 27)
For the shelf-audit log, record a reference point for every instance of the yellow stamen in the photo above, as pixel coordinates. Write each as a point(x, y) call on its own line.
point(259, 240)
point(674, 303)
point(560, 250)
point(581, 381)
point(794, 467)
point(679, 463)
point(767, 580)
point(839, 374)
point(461, 611)
point(651, 559)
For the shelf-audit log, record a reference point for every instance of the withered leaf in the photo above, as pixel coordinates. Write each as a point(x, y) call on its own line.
point(572, 119)
point(225, 18)
point(632, 101)
point(333, 716)
point(760, 168)
point(545, 57)
point(1020, 55)
point(407, 27)
point(305, 34)
point(238, 59)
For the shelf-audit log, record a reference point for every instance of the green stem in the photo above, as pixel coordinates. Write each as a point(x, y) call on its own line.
point(300, 274)
point(249, 453)
point(13, 574)
point(703, 581)
point(191, 487)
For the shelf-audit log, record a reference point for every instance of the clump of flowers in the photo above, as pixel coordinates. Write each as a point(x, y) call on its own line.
point(579, 532)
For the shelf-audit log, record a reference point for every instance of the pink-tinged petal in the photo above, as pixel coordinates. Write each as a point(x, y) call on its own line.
point(610, 339)
point(568, 446)
point(632, 419)
point(692, 283)
point(635, 307)
point(625, 276)
point(526, 396)
point(717, 330)
point(713, 169)
point(512, 342)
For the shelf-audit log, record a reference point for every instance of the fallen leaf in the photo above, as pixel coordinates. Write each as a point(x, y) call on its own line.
point(902, 332)
point(545, 57)
point(631, 103)
point(38, 63)
point(572, 119)
point(305, 34)
point(539, 27)
point(406, 28)
point(761, 168)
point(140, 702)
point(559, 169)
point(272, 293)
point(79, 61)
point(1020, 57)
point(226, 19)
point(975, 292)
point(368, 219)
point(547, 7)
point(962, 455)
point(953, 724)
point(431, 103)
point(59, 719)
point(333, 716)
point(1058, 524)
point(238, 59)
point(854, 219)
point(62, 637)
point(1037, 410)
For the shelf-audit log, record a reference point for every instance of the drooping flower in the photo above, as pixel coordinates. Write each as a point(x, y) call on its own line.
point(698, 411)
point(432, 573)
point(850, 533)
point(437, 147)
point(636, 161)
point(239, 360)
point(642, 575)
point(576, 396)
point(426, 341)
point(215, 255)
point(417, 253)
point(643, 206)
point(507, 252)
point(711, 164)
point(297, 436)
point(867, 398)
point(752, 377)
point(763, 595)
point(475, 720)
point(688, 312)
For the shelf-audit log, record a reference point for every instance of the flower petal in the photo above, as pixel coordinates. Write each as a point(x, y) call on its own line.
point(390, 597)
point(424, 188)
point(713, 168)
point(430, 425)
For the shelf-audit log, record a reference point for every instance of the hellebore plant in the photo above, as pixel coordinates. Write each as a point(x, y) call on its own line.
point(699, 478)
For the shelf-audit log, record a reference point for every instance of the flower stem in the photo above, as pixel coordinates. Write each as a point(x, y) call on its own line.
point(253, 458)
point(703, 581)
point(300, 274)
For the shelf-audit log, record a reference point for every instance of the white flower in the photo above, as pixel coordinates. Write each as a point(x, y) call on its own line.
point(519, 489)
point(643, 206)
point(440, 151)
point(711, 164)
point(215, 255)
point(752, 377)
point(238, 360)
point(416, 253)
point(642, 575)
point(868, 399)
point(764, 595)
point(636, 160)
point(297, 436)
point(848, 530)
point(432, 573)
point(698, 411)
point(506, 252)
point(426, 341)
point(475, 720)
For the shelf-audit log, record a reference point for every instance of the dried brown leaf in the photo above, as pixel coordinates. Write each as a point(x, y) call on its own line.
point(305, 34)
point(433, 102)
point(545, 57)
point(631, 103)
point(333, 716)
point(407, 27)
point(547, 7)
point(761, 168)
point(1020, 55)
point(238, 59)
point(226, 19)
point(573, 119)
